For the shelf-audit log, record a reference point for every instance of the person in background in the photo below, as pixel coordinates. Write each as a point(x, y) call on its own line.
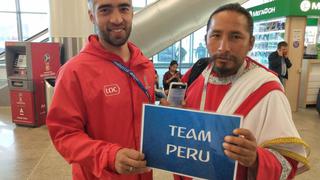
point(267, 146)
point(200, 51)
point(156, 84)
point(159, 93)
point(172, 75)
point(279, 61)
point(95, 117)
point(181, 53)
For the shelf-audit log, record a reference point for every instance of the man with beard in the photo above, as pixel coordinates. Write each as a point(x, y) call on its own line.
point(95, 116)
point(267, 146)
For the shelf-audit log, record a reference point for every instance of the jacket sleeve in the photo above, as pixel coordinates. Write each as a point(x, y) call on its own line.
point(166, 76)
point(185, 77)
point(270, 167)
point(274, 60)
point(66, 122)
point(288, 62)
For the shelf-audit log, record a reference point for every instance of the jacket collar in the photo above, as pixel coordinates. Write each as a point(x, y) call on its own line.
point(95, 48)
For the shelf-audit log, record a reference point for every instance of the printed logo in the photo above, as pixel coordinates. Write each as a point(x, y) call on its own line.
point(21, 112)
point(46, 59)
point(20, 97)
point(305, 5)
point(111, 90)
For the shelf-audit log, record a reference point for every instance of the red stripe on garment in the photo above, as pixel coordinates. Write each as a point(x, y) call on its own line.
point(256, 96)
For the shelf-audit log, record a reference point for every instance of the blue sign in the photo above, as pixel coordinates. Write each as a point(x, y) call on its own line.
point(188, 142)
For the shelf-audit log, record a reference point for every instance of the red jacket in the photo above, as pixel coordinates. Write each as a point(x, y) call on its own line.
point(96, 110)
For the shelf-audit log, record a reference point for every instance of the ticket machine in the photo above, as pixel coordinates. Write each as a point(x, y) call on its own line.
point(28, 64)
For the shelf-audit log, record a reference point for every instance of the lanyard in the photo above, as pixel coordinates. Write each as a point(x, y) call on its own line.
point(207, 72)
point(134, 77)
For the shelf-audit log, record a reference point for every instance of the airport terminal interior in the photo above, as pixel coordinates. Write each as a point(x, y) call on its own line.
point(60, 28)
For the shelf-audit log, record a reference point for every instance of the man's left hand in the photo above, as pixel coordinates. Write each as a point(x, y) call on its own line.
point(242, 147)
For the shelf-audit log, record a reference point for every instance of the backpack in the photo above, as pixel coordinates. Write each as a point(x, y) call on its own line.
point(197, 69)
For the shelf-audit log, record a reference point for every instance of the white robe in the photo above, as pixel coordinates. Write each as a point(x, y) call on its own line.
point(270, 120)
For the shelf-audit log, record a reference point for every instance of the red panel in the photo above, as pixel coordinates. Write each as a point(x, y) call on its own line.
point(45, 59)
point(45, 63)
point(22, 107)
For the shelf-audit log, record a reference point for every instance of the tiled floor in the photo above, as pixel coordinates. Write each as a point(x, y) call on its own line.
point(27, 153)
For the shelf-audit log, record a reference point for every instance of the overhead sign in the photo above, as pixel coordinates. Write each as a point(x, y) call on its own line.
point(307, 5)
point(187, 142)
point(279, 8)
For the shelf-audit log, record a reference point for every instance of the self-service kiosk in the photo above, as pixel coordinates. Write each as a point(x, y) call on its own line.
point(28, 64)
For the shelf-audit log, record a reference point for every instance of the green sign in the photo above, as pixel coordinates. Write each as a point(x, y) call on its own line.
point(312, 21)
point(281, 8)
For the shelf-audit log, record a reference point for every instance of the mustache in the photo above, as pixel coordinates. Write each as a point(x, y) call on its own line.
point(222, 56)
point(120, 26)
point(226, 56)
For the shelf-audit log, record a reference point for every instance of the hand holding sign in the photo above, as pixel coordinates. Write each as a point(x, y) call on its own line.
point(188, 142)
point(242, 148)
point(130, 161)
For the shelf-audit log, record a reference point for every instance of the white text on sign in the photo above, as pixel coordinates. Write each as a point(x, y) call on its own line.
point(188, 152)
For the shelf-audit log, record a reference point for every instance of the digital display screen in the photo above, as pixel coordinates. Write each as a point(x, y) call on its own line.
point(21, 61)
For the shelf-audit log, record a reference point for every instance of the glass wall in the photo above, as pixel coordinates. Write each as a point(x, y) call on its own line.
point(139, 4)
point(8, 28)
point(21, 19)
point(186, 51)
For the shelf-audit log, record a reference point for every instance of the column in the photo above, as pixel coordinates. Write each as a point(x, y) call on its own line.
point(295, 32)
point(69, 25)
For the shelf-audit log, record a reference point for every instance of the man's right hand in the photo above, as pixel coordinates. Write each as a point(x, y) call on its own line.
point(280, 53)
point(130, 161)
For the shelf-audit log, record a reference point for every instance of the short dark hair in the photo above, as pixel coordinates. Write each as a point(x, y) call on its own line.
point(90, 4)
point(237, 8)
point(173, 62)
point(282, 44)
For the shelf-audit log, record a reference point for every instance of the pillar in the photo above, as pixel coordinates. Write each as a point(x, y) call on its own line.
point(295, 32)
point(69, 25)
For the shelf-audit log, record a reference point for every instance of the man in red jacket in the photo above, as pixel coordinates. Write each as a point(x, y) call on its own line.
point(95, 116)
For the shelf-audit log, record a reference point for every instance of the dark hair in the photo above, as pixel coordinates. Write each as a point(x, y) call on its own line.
point(282, 44)
point(173, 62)
point(90, 4)
point(237, 8)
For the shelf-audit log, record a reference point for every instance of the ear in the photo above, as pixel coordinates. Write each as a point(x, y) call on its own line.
point(91, 16)
point(252, 40)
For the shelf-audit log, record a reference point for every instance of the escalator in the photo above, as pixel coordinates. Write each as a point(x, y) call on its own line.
point(166, 21)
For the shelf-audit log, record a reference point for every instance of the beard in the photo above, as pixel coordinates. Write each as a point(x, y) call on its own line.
point(229, 67)
point(113, 40)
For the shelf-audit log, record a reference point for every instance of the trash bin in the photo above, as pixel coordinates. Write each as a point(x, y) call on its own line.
point(49, 88)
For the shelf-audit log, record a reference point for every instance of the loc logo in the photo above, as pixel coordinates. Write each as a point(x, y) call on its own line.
point(111, 90)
